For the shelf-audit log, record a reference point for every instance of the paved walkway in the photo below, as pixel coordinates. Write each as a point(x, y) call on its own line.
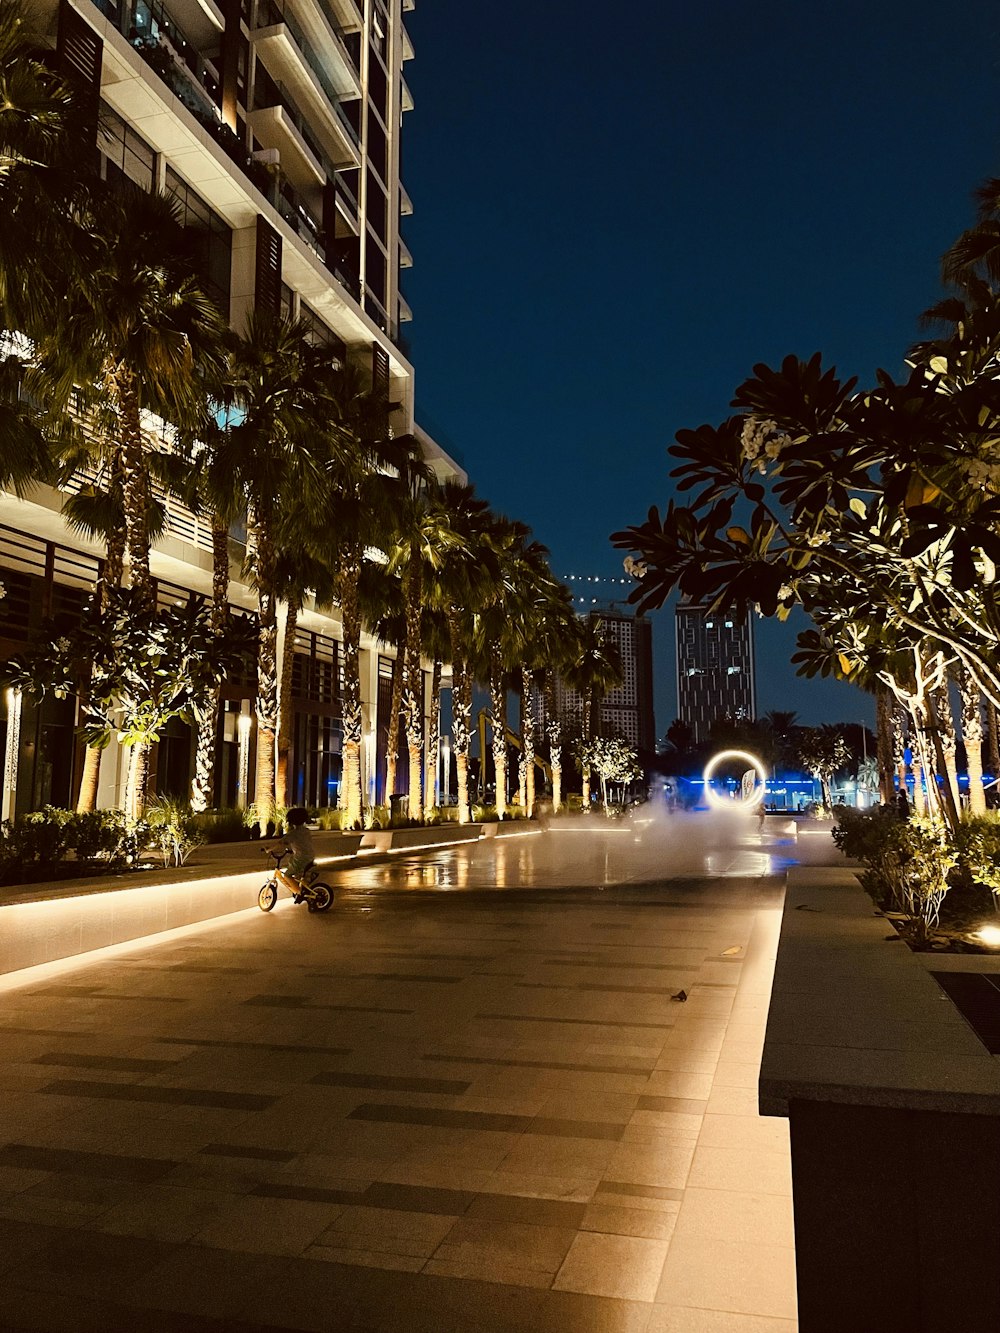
point(440, 1107)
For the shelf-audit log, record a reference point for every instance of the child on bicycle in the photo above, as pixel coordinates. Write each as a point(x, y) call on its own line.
point(299, 841)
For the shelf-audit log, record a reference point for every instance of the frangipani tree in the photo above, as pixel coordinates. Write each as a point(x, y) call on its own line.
point(821, 752)
point(613, 759)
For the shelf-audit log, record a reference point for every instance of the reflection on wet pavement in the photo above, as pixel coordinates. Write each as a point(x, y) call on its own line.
point(578, 855)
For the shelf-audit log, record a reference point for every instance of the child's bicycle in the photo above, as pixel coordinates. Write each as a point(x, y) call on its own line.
point(309, 889)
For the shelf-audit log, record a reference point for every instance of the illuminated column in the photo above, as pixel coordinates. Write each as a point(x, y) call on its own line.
point(445, 769)
point(244, 723)
point(11, 754)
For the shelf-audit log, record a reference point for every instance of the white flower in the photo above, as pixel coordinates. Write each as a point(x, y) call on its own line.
point(761, 438)
point(637, 568)
point(786, 592)
point(62, 645)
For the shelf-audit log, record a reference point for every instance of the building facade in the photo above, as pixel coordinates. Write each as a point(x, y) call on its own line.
point(715, 667)
point(275, 126)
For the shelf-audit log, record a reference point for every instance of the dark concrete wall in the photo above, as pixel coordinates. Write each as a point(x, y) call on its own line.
point(897, 1219)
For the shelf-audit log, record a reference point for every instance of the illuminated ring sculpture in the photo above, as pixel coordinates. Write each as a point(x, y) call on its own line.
point(724, 803)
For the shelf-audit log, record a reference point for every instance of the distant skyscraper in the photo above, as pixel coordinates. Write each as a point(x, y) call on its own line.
point(715, 667)
point(628, 710)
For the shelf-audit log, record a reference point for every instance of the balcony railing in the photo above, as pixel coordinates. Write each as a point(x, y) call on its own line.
point(163, 45)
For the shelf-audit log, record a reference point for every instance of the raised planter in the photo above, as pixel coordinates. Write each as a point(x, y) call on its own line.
point(53, 923)
point(894, 1110)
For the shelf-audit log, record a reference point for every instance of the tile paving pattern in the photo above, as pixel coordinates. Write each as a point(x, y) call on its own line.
point(428, 1110)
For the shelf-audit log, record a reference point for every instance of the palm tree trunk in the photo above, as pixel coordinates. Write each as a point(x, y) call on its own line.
point(203, 786)
point(347, 592)
point(413, 687)
point(585, 765)
point(972, 735)
point(883, 742)
point(948, 740)
point(498, 707)
point(553, 733)
point(554, 730)
point(392, 730)
point(267, 672)
point(942, 729)
point(522, 765)
point(281, 784)
point(899, 745)
point(135, 486)
point(433, 736)
point(461, 716)
point(528, 741)
point(114, 563)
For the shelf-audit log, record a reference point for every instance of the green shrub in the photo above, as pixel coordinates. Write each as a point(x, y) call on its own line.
point(484, 814)
point(173, 829)
point(226, 825)
point(379, 817)
point(908, 862)
point(273, 826)
point(977, 849)
point(328, 819)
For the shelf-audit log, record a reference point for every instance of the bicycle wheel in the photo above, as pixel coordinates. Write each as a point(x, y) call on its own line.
point(268, 896)
point(322, 898)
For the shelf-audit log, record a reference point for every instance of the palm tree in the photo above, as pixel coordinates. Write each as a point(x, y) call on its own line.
point(949, 741)
point(276, 449)
point(422, 538)
point(596, 669)
point(436, 647)
point(139, 326)
point(96, 509)
point(381, 607)
point(557, 641)
point(976, 253)
point(500, 632)
point(136, 329)
point(460, 587)
point(297, 573)
point(370, 481)
point(43, 142)
point(534, 604)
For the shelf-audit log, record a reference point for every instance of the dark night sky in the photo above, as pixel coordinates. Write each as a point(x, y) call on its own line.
point(620, 209)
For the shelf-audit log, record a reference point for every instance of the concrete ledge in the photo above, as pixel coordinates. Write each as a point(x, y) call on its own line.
point(415, 839)
point(49, 930)
point(894, 1116)
point(856, 1019)
point(51, 923)
point(511, 828)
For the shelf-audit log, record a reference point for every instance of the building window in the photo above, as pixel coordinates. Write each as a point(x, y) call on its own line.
point(126, 156)
point(214, 239)
point(320, 335)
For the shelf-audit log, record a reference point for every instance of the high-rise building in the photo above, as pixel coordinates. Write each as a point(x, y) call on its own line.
point(275, 126)
point(626, 711)
point(715, 667)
